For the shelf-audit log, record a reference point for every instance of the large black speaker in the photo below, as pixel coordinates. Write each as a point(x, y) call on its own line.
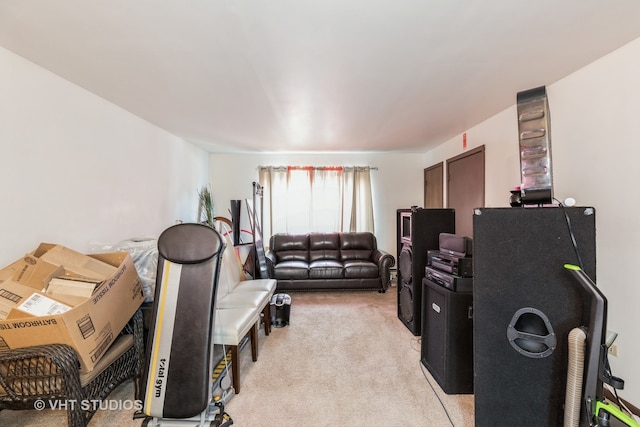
point(425, 226)
point(525, 304)
point(447, 337)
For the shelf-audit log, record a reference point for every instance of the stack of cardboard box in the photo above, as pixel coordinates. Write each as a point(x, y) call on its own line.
point(57, 295)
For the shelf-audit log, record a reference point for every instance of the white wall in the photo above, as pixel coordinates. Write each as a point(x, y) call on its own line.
point(396, 184)
point(77, 169)
point(595, 128)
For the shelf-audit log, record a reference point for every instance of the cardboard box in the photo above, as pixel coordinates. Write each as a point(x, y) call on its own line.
point(70, 291)
point(31, 271)
point(12, 294)
point(38, 305)
point(91, 326)
point(20, 301)
point(74, 262)
point(6, 274)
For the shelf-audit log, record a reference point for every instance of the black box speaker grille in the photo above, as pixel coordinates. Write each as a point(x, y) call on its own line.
point(447, 337)
point(426, 226)
point(521, 286)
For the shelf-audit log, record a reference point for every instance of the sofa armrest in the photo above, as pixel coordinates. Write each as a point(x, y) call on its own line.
point(270, 256)
point(384, 261)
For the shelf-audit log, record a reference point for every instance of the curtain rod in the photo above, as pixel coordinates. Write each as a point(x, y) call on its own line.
point(284, 168)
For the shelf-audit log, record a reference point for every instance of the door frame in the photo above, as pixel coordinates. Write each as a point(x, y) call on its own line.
point(480, 149)
point(429, 187)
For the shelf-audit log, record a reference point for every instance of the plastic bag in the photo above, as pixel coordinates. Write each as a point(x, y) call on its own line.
point(144, 253)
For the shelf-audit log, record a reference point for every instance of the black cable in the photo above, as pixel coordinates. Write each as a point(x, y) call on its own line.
point(573, 237)
point(608, 373)
point(434, 392)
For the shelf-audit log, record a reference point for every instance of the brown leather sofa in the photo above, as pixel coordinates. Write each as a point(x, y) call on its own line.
point(328, 261)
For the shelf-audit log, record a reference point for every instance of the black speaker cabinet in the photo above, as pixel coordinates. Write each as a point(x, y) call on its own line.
point(525, 304)
point(447, 337)
point(425, 226)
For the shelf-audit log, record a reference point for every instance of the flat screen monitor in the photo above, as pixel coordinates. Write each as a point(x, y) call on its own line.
point(405, 227)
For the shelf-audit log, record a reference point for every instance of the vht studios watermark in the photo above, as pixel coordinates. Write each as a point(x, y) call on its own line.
point(87, 405)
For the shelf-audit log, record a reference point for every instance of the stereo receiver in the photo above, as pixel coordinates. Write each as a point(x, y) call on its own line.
point(460, 266)
point(449, 281)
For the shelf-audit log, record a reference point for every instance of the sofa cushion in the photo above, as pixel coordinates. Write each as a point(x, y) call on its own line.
point(325, 269)
point(324, 246)
point(291, 270)
point(357, 246)
point(290, 247)
point(360, 269)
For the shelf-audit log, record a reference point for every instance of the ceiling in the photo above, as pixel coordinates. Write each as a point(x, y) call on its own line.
point(315, 75)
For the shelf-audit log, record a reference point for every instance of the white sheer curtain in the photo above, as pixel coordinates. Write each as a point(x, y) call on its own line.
point(357, 188)
point(316, 199)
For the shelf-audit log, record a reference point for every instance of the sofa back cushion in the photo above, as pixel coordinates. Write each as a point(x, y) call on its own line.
point(324, 246)
point(357, 246)
point(290, 247)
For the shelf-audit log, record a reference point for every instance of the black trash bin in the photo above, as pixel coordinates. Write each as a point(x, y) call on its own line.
point(280, 310)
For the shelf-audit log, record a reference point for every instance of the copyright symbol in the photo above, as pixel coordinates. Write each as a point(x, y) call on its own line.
point(39, 404)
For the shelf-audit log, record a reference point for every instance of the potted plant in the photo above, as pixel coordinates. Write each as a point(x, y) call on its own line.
point(205, 207)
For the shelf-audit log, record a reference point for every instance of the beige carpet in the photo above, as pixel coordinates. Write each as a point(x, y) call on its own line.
point(345, 360)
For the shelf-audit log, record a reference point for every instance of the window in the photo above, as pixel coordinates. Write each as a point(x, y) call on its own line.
point(303, 199)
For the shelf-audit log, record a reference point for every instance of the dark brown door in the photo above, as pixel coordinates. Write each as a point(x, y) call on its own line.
point(465, 188)
point(433, 193)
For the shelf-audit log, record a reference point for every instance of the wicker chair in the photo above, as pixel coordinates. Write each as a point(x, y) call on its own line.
point(50, 373)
